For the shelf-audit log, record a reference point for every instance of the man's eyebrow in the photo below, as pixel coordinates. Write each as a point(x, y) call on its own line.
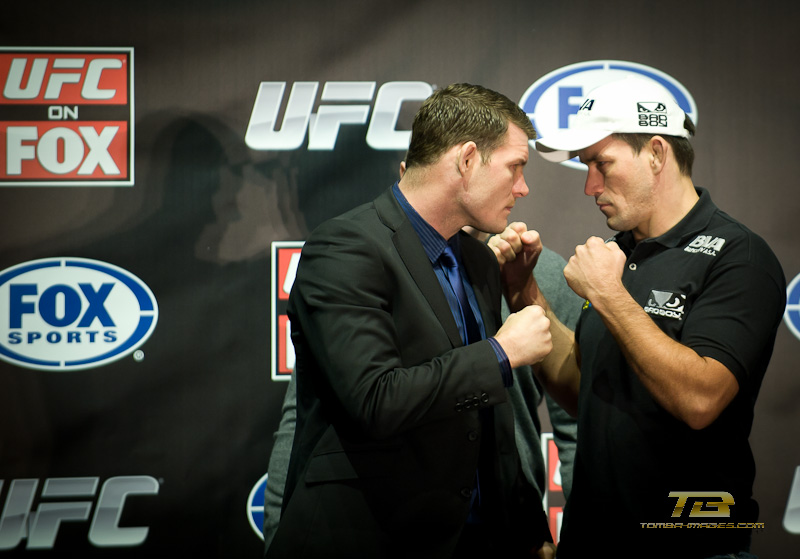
point(594, 157)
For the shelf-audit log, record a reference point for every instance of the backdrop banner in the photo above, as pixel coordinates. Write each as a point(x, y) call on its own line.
point(161, 163)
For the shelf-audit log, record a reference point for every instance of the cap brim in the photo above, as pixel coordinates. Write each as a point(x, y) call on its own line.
point(565, 144)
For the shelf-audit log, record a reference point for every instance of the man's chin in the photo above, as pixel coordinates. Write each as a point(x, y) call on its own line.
point(615, 225)
point(496, 228)
point(487, 228)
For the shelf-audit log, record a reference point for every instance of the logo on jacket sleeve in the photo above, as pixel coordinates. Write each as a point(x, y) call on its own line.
point(666, 303)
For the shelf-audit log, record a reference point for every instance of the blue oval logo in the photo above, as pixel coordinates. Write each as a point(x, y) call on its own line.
point(552, 100)
point(255, 506)
point(62, 314)
point(792, 314)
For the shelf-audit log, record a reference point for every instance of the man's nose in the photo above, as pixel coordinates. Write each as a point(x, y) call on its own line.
point(594, 183)
point(521, 187)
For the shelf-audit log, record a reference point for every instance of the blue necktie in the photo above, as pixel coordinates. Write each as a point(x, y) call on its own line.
point(450, 265)
point(473, 332)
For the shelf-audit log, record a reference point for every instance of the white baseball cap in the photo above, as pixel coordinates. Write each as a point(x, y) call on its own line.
point(630, 105)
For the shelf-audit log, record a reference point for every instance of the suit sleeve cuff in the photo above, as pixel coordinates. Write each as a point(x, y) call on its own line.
point(505, 366)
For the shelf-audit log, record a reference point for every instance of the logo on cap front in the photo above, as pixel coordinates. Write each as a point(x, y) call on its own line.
point(652, 114)
point(553, 101)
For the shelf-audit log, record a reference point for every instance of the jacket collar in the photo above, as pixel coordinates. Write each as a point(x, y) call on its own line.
point(410, 249)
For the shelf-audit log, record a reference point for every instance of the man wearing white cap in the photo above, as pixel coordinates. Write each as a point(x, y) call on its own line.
point(665, 364)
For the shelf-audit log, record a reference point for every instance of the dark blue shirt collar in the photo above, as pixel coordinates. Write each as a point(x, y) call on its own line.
point(432, 242)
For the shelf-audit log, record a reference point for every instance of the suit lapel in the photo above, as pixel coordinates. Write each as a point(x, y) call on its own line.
point(409, 247)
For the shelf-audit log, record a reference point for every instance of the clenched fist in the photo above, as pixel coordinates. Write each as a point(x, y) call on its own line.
point(517, 250)
point(595, 269)
point(525, 336)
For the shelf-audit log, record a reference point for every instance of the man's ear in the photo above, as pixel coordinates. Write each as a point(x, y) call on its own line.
point(467, 158)
point(658, 149)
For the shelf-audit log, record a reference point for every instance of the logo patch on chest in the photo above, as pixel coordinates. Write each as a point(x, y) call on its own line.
point(707, 244)
point(666, 303)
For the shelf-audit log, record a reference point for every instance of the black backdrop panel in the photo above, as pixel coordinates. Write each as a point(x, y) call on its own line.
point(174, 433)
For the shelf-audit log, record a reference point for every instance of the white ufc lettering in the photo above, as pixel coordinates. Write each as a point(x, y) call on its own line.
point(323, 126)
point(56, 79)
point(40, 525)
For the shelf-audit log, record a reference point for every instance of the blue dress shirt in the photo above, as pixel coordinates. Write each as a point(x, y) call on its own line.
point(434, 244)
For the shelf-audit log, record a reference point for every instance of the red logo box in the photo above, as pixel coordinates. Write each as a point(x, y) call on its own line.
point(66, 117)
point(285, 258)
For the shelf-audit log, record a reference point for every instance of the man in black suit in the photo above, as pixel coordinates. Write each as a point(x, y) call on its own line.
point(405, 437)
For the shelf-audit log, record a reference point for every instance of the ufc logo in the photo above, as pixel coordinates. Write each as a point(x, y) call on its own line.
point(62, 71)
point(323, 126)
point(704, 503)
point(21, 519)
point(53, 77)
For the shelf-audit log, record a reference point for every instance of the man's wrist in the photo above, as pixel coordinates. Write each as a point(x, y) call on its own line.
point(525, 295)
point(503, 361)
point(604, 302)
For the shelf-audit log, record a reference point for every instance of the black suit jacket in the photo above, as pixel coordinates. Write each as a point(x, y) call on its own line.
point(388, 435)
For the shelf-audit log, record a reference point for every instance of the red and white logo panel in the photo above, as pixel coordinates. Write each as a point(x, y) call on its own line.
point(553, 499)
point(66, 117)
point(285, 259)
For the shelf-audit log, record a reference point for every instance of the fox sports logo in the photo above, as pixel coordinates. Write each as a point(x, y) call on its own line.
point(62, 314)
point(552, 100)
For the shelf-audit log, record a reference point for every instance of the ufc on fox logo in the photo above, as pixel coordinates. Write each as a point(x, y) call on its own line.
point(69, 117)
